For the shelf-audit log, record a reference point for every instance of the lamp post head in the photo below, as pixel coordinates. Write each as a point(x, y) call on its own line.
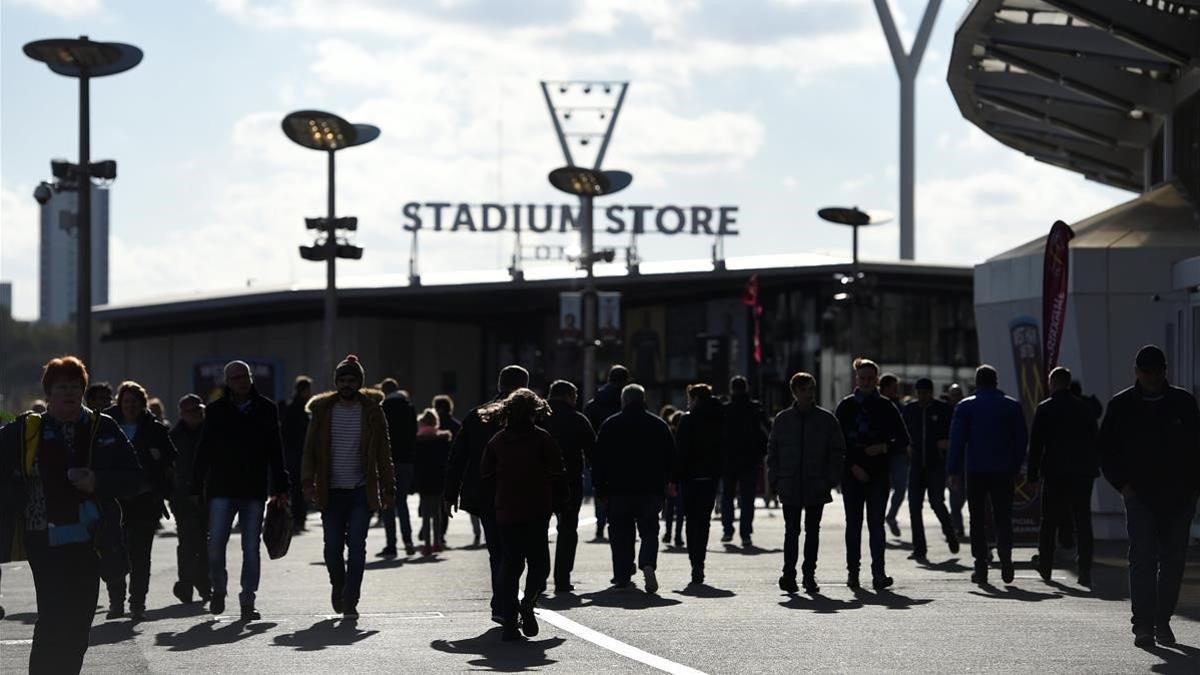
point(318, 130)
point(854, 216)
point(584, 182)
point(80, 57)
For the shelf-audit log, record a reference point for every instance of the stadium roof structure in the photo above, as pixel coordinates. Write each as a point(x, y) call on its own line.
point(1081, 84)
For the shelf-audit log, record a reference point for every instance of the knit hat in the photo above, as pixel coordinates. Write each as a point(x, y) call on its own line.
point(1150, 358)
point(351, 366)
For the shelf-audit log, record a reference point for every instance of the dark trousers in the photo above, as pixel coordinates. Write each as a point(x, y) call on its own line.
point(958, 499)
point(744, 484)
point(870, 496)
point(1158, 540)
point(191, 548)
point(139, 522)
point(345, 520)
point(522, 544)
point(699, 497)
point(495, 555)
point(1066, 500)
point(898, 471)
point(929, 480)
point(996, 488)
point(404, 479)
point(296, 494)
point(66, 580)
point(673, 514)
point(568, 538)
point(627, 515)
point(792, 516)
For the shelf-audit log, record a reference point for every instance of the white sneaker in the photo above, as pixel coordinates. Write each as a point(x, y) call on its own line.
point(651, 583)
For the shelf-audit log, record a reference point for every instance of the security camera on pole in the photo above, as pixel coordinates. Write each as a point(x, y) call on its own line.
point(324, 131)
point(587, 184)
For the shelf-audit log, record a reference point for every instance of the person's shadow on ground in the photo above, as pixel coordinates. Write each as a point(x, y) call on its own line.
point(387, 563)
point(624, 598)
point(179, 611)
point(27, 618)
point(952, 566)
point(888, 599)
point(819, 604)
point(207, 635)
point(560, 601)
point(1013, 593)
point(705, 591)
point(507, 657)
point(749, 550)
point(112, 632)
point(325, 633)
point(1177, 658)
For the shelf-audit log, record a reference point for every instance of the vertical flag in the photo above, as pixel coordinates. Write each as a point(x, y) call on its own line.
point(751, 299)
point(1054, 292)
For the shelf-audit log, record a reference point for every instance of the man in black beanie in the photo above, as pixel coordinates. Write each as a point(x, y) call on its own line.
point(1150, 450)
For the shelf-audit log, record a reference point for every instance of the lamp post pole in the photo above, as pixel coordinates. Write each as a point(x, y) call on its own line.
point(83, 225)
point(330, 273)
point(586, 247)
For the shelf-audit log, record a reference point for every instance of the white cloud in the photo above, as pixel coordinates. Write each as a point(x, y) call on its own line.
point(19, 247)
point(67, 9)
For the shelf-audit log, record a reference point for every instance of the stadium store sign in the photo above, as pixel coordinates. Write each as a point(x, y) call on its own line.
point(617, 219)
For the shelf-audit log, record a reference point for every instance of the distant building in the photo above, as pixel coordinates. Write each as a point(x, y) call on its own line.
point(6, 305)
point(59, 250)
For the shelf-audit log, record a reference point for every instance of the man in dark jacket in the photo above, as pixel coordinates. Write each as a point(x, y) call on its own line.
point(889, 388)
point(805, 456)
point(65, 466)
point(1063, 450)
point(576, 439)
point(464, 486)
point(191, 521)
point(745, 438)
point(293, 416)
point(606, 404)
point(988, 440)
point(1150, 444)
point(928, 423)
point(633, 462)
point(873, 428)
point(402, 433)
point(239, 463)
point(698, 467)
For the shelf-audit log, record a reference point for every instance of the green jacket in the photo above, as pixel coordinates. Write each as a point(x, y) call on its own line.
point(376, 449)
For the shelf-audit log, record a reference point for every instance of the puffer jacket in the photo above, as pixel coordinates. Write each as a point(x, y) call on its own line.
point(376, 449)
point(806, 452)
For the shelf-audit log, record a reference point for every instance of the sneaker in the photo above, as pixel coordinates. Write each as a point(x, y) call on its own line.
point(387, 552)
point(919, 556)
point(667, 538)
point(1143, 639)
point(788, 584)
point(183, 591)
point(1007, 573)
point(651, 582)
point(1085, 578)
point(893, 526)
point(563, 588)
point(426, 550)
point(335, 599)
point(217, 604)
point(746, 543)
point(137, 613)
point(881, 582)
point(250, 614)
point(510, 632)
point(678, 541)
point(529, 624)
point(979, 576)
point(810, 585)
point(115, 612)
point(852, 580)
point(726, 538)
point(952, 542)
point(409, 549)
point(1163, 635)
point(351, 612)
point(623, 585)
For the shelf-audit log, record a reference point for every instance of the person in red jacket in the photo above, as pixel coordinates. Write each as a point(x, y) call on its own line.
point(526, 466)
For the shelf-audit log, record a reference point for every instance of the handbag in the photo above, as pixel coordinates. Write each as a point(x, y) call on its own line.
point(277, 528)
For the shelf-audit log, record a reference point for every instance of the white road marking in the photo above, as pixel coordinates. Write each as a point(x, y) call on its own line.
point(614, 645)
point(27, 641)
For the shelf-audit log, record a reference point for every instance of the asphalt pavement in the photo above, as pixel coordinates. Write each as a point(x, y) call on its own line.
point(430, 614)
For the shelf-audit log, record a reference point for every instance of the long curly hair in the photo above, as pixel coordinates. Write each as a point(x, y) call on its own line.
point(522, 406)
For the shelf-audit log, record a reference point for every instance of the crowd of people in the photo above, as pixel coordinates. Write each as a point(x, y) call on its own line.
point(86, 479)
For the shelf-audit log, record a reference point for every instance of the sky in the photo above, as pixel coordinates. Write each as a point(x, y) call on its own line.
point(779, 107)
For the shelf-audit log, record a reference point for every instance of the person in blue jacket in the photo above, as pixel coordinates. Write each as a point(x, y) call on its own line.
point(988, 439)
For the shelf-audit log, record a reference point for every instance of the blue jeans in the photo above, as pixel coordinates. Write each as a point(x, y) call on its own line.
point(221, 511)
point(1158, 541)
point(404, 479)
point(346, 518)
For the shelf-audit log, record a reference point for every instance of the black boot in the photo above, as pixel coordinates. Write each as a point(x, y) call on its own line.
point(788, 584)
point(810, 584)
point(852, 580)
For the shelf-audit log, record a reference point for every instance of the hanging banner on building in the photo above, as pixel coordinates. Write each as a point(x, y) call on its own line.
point(609, 306)
point(1027, 363)
point(208, 377)
point(570, 317)
point(1055, 270)
point(751, 299)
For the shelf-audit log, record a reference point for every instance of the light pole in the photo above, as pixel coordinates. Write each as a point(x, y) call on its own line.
point(83, 59)
point(854, 218)
point(329, 133)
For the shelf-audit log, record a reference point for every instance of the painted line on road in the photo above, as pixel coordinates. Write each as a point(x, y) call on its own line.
point(27, 641)
point(614, 645)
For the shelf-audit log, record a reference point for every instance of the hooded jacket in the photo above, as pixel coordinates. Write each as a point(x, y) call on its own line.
point(806, 452)
point(987, 434)
point(1153, 445)
point(376, 450)
point(241, 450)
point(698, 442)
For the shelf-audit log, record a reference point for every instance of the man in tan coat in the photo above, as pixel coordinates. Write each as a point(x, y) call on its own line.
point(347, 473)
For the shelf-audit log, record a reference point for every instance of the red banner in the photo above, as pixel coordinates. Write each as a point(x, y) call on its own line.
point(1054, 292)
point(750, 299)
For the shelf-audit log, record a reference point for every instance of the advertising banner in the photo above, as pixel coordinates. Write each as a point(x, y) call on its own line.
point(609, 307)
point(570, 317)
point(1027, 363)
point(1054, 291)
